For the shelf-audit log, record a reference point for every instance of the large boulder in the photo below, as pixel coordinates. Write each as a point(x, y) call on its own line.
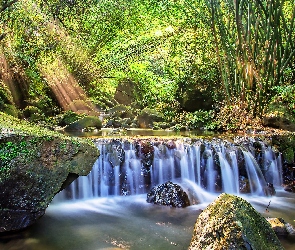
point(230, 222)
point(35, 165)
point(168, 194)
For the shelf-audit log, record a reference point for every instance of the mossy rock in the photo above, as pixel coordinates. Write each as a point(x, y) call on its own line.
point(35, 165)
point(230, 222)
point(88, 121)
point(279, 116)
point(285, 144)
point(121, 111)
point(147, 117)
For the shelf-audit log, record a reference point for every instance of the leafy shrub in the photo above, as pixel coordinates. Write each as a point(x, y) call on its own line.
point(200, 119)
point(285, 95)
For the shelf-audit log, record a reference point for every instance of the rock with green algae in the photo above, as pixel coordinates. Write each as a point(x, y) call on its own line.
point(230, 222)
point(35, 164)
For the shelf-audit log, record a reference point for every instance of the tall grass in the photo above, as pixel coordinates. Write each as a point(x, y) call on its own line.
point(255, 43)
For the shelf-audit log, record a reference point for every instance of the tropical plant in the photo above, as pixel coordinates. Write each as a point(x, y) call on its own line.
point(254, 41)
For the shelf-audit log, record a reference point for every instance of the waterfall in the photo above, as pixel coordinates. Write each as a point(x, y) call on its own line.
point(272, 167)
point(227, 175)
point(235, 168)
point(210, 173)
point(134, 167)
point(255, 177)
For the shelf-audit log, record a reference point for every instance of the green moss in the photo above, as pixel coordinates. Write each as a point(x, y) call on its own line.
point(233, 223)
point(289, 155)
point(11, 125)
point(21, 141)
point(286, 145)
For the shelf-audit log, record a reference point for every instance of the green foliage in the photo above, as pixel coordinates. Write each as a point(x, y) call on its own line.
point(68, 118)
point(254, 43)
point(286, 145)
point(285, 95)
point(200, 119)
point(10, 150)
point(173, 52)
point(5, 97)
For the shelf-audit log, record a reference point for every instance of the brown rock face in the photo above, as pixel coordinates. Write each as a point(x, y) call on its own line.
point(33, 168)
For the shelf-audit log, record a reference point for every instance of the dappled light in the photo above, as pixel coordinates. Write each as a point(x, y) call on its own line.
point(9, 77)
point(69, 94)
point(130, 117)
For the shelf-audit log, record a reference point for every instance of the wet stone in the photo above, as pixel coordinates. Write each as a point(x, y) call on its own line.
point(168, 194)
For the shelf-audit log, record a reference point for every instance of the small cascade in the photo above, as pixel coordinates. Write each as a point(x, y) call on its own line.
point(235, 169)
point(182, 155)
point(131, 167)
point(210, 173)
point(255, 178)
point(227, 176)
point(272, 167)
point(197, 160)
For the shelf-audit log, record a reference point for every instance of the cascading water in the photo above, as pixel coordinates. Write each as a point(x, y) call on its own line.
point(134, 167)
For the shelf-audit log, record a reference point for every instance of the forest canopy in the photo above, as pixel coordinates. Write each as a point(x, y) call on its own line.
point(217, 64)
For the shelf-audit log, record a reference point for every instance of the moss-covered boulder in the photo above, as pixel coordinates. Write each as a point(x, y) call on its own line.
point(35, 165)
point(147, 117)
point(230, 222)
point(85, 122)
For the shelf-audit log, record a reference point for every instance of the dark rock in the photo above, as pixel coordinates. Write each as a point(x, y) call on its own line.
point(244, 185)
point(269, 190)
point(168, 194)
point(85, 122)
point(35, 165)
point(121, 111)
point(145, 151)
point(230, 222)
point(290, 188)
point(113, 123)
point(171, 144)
point(116, 153)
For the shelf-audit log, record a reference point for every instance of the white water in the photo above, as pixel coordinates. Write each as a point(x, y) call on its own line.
point(227, 176)
point(256, 179)
point(183, 163)
point(128, 222)
point(109, 221)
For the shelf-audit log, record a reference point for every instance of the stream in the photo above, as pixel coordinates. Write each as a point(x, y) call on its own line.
point(108, 210)
point(129, 223)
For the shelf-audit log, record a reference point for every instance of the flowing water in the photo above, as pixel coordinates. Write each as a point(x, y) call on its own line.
point(108, 210)
point(129, 167)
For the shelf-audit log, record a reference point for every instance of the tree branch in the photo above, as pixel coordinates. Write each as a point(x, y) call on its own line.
point(7, 5)
point(2, 36)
